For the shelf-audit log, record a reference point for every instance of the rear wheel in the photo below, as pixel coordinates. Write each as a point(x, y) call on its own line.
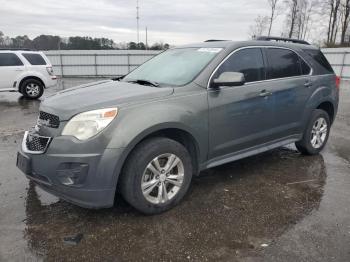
point(316, 134)
point(32, 89)
point(157, 175)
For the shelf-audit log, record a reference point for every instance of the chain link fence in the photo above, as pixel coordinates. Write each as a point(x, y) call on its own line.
point(107, 63)
point(97, 63)
point(339, 58)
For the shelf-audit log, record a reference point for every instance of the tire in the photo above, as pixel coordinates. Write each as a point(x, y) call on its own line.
point(314, 141)
point(32, 89)
point(136, 175)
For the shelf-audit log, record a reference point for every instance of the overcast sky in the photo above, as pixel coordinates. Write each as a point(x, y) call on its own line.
point(175, 22)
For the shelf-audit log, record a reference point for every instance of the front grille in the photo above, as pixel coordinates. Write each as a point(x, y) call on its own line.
point(36, 143)
point(49, 120)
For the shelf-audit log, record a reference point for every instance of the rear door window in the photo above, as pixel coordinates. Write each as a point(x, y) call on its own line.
point(282, 63)
point(34, 59)
point(248, 61)
point(324, 65)
point(10, 59)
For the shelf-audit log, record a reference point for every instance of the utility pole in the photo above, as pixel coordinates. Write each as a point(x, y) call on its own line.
point(137, 19)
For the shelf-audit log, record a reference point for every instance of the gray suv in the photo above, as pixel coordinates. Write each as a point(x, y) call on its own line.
point(190, 108)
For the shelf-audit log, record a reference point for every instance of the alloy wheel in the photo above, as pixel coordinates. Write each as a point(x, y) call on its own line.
point(32, 90)
point(319, 133)
point(162, 178)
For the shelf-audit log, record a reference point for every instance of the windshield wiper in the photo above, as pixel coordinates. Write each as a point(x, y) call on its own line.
point(144, 82)
point(118, 78)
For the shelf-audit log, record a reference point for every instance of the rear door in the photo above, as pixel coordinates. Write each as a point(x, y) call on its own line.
point(10, 67)
point(288, 78)
point(36, 61)
point(239, 116)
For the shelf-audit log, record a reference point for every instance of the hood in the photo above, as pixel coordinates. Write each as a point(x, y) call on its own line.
point(98, 95)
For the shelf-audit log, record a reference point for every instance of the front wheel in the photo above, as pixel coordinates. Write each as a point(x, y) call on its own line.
point(316, 134)
point(32, 89)
point(157, 175)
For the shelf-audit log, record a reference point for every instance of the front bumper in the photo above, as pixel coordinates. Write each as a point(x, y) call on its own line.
point(85, 179)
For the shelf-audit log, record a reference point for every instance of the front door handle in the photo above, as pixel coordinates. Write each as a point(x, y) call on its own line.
point(265, 93)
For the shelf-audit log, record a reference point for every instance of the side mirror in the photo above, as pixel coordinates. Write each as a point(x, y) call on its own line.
point(229, 79)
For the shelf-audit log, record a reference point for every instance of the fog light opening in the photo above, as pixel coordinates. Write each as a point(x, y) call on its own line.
point(70, 174)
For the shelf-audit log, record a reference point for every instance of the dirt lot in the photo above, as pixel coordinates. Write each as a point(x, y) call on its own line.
point(278, 206)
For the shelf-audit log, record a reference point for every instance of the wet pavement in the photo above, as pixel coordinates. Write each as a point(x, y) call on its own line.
point(277, 206)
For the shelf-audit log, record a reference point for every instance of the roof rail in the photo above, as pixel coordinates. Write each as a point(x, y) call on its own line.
point(16, 49)
point(281, 39)
point(214, 40)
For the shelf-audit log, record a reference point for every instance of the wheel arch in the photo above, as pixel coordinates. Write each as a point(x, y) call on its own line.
point(322, 98)
point(174, 132)
point(328, 107)
point(20, 87)
point(181, 135)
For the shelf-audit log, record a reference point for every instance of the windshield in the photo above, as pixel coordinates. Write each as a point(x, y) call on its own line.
point(175, 67)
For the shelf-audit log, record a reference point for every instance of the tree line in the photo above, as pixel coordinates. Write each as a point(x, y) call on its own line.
point(52, 42)
point(328, 19)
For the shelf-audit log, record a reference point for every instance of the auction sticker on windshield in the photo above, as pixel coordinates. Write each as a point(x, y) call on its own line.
point(210, 50)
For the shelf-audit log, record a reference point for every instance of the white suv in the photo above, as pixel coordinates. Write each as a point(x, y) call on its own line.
point(26, 72)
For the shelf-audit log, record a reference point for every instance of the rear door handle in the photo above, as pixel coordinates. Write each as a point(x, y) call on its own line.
point(265, 93)
point(308, 84)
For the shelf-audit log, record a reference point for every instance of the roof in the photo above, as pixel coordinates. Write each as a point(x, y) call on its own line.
point(19, 51)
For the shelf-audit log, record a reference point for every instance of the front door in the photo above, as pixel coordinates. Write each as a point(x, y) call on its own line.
point(240, 117)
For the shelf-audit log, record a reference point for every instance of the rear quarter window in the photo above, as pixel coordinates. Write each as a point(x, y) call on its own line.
point(324, 66)
point(34, 59)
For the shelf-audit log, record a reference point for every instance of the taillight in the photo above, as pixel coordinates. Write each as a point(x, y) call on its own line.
point(49, 70)
point(337, 82)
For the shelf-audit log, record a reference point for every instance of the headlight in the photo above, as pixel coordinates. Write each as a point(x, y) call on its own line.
point(88, 124)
